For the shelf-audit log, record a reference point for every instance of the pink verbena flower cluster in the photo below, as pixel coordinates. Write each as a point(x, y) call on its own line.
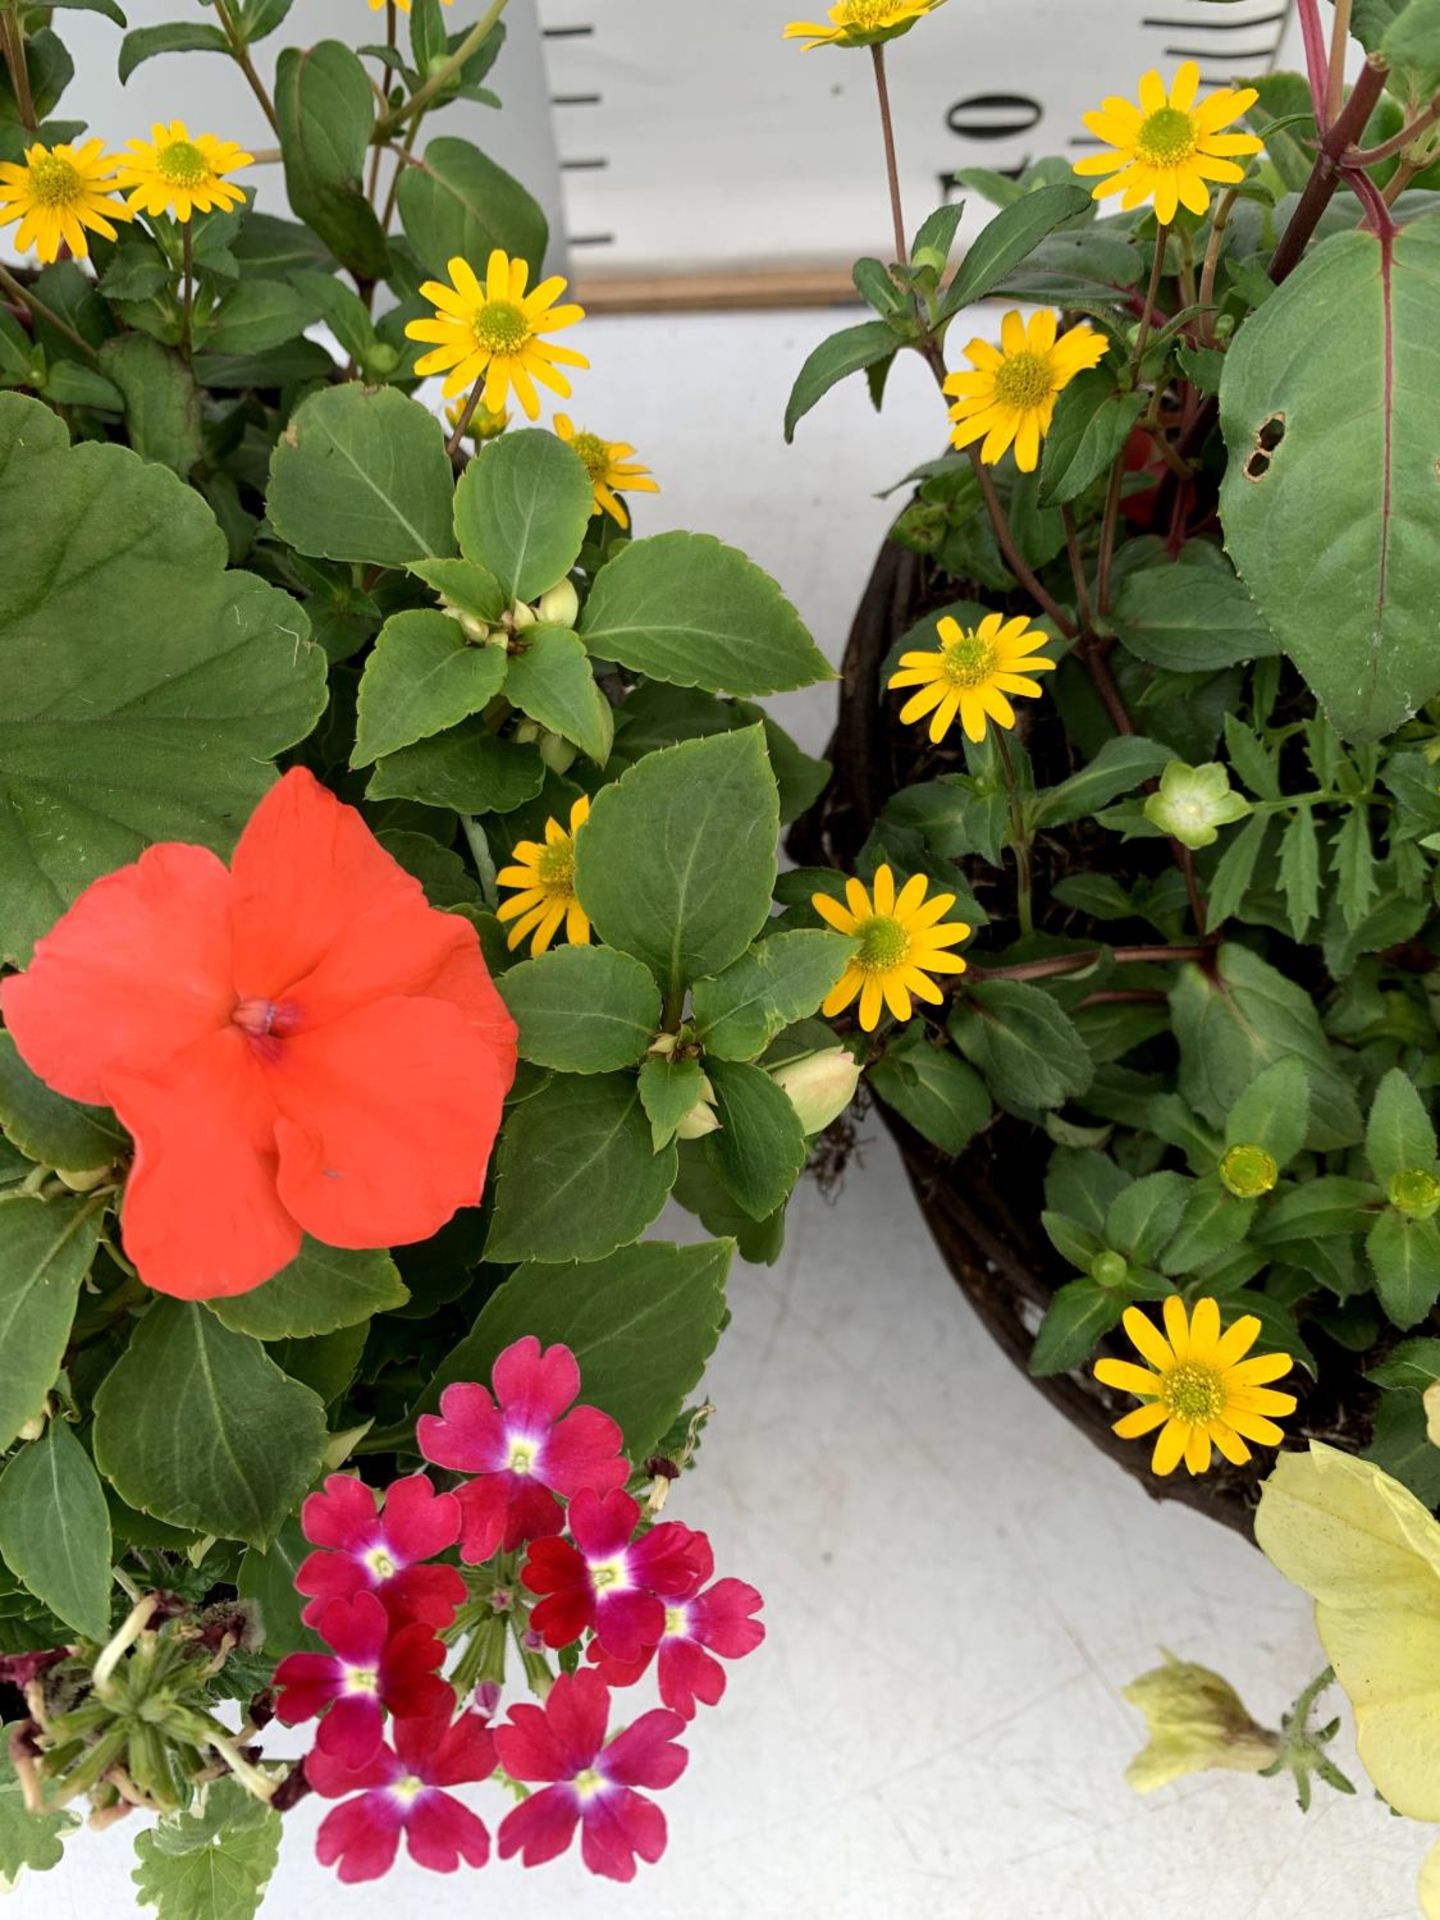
point(614, 1595)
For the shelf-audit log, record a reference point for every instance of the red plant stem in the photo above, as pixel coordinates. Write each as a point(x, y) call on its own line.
point(1078, 962)
point(1317, 59)
point(1326, 173)
point(1372, 156)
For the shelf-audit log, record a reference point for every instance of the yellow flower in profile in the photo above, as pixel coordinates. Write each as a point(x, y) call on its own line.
point(171, 173)
point(378, 6)
point(971, 672)
point(57, 194)
point(1169, 148)
point(1203, 1391)
point(611, 469)
point(484, 425)
point(861, 23)
point(1010, 393)
point(545, 879)
point(495, 330)
point(903, 939)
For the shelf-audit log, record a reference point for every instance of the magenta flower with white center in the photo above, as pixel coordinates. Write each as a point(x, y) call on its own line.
point(699, 1623)
point(361, 1550)
point(372, 1669)
point(609, 1581)
point(589, 1782)
point(401, 1791)
point(522, 1448)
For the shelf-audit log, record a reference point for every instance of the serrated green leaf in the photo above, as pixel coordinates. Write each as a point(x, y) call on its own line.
point(48, 1128)
point(1141, 1221)
point(522, 508)
point(1023, 1043)
point(1405, 1256)
point(458, 201)
point(467, 768)
point(46, 1249)
point(1190, 619)
point(322, 1288)
point(1400, 1135)
point(1353, 860)
point(582, 1009)
point(162, 401)
point(1300, 871)
point(551, 679)
point(739, 1012)
point(33, 1840)
point(214, 1865)
point(55, 1529)
point(267, 1580)
point(1273, 1112)
point(669, 1089)
point(940, 1096)
point(1213, 1224)
point(1092, 423)
point(255, 315)
point(1235, 869)
point(423, 677)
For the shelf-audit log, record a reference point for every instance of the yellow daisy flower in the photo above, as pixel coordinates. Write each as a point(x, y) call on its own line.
point(610, 467)
point(545, 878)
point(1010, 392)
point(1203, 1390)
point(171, 173)
point(57, 194)
point(378, 6)
point(1168, 148)
point(903, 937)
point(971, 672)
point(861, 23)
point(495, 331)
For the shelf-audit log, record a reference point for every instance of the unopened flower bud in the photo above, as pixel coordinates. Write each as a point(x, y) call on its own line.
point(1416, 1194)
point(472, 628)
point(702, 1117)
point(522, 616)
point(558, 753)
point(380, 360)
point(1193, 803)
point(930, 259)
point(1197, 1721)
point(560, 605)
point(527, 732)
point(1247, 1172)
point(1111, 1269)
point(820, 1085)
point(83, 1179)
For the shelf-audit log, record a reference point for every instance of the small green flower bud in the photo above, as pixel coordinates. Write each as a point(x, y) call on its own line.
point(820, 1085)
point(557, 752)
point(929, 260)
point(1193, 803)
point(560, 605)
point(1110, 1269)
point(702, 1117)
point(522, 616)
point(380, 360)
point(527, 732)
point(1197, 1721)
point(1416, 1194)
point(473, 629)
point(1247, 1172)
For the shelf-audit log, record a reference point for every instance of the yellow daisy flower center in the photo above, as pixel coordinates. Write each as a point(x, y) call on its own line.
point(555, 869)
point(1024, 380)
point(883, 944)
point(1193, 1392)
point(54, 182)
point(501, 327)
point(968, 661)
point(181, 164)
point(1167, 137)
point(594, 452)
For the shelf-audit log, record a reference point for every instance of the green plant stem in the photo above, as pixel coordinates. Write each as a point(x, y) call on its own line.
point(1335, 74)
point(1110, 521)
point(240, 53)
point(1023, 875)
point(892, 170)
point(187, 288)
point(1224, 207)
point(378, 149)
point(1147, 312)
point(402, 161)
point(391, 123)
point(1372, 156)
point(1077, 570)
point(19, 69)
point(452, 445)
point(1013, 558)
point(40, 311)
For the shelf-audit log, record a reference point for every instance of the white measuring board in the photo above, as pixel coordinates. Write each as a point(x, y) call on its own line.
point(694, 140)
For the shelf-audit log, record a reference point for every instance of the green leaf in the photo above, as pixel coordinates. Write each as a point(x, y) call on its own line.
point(256, 314)
point(1273, 1112)
point(55, 1529)
point(939, 1095)
point(33, 1840)
point(1353, 859)
point(1300, 871)
point(522, 508)
point(118, 728)
point(1327, 1207)
point(739, 1012)
point(175, 36)
point(467, 768)
point(211, 1865)
point(362, 474)
point(582, 1009)
point(1190, 619)
point(669, 1088)
point(684, 607)
point(322, 1288)
point(1213, 1223)
point(324, 1362)
point(459, 202)
point(48, 1128)
point(851, 350)
point(46, 1247)
point(1026, 1047)
point(1405, 1255)
point(230, 1445)
point(1092, 423)
point(1077, 1319)
point(577, 1175)
point(1232, 1025)
point(551, 680)
point(423, 677)
point(471, 588)
point(267, 1579)
point(1123, 763)
point(760, 1147)
point(1141, 1221)
point(677, 860)
point(1401, 1446)
point(1009, 238)
point(1331, 415)
point(641, 1323)
point(1400, 1135)
point(1412, 45)
point(327, 116)
point(162, 402)
point(1236, 868)
point(1414, 1363)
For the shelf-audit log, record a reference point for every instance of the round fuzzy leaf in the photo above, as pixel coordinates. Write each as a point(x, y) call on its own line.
point(686, 608)
point(577, 1175)
point(195, 1425)
point(46, 1247)
point(677, 860)
point(362, 474)
point(459, 202)
point(55, 1529)
point(322, 1288)
point(1331, 413)
point(143, 688)
point(582, 1009)
point(423, 677)
point(521, 509)
point(551, 679)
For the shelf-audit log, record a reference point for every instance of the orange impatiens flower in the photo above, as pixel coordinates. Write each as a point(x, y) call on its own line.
point(299, 1043)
